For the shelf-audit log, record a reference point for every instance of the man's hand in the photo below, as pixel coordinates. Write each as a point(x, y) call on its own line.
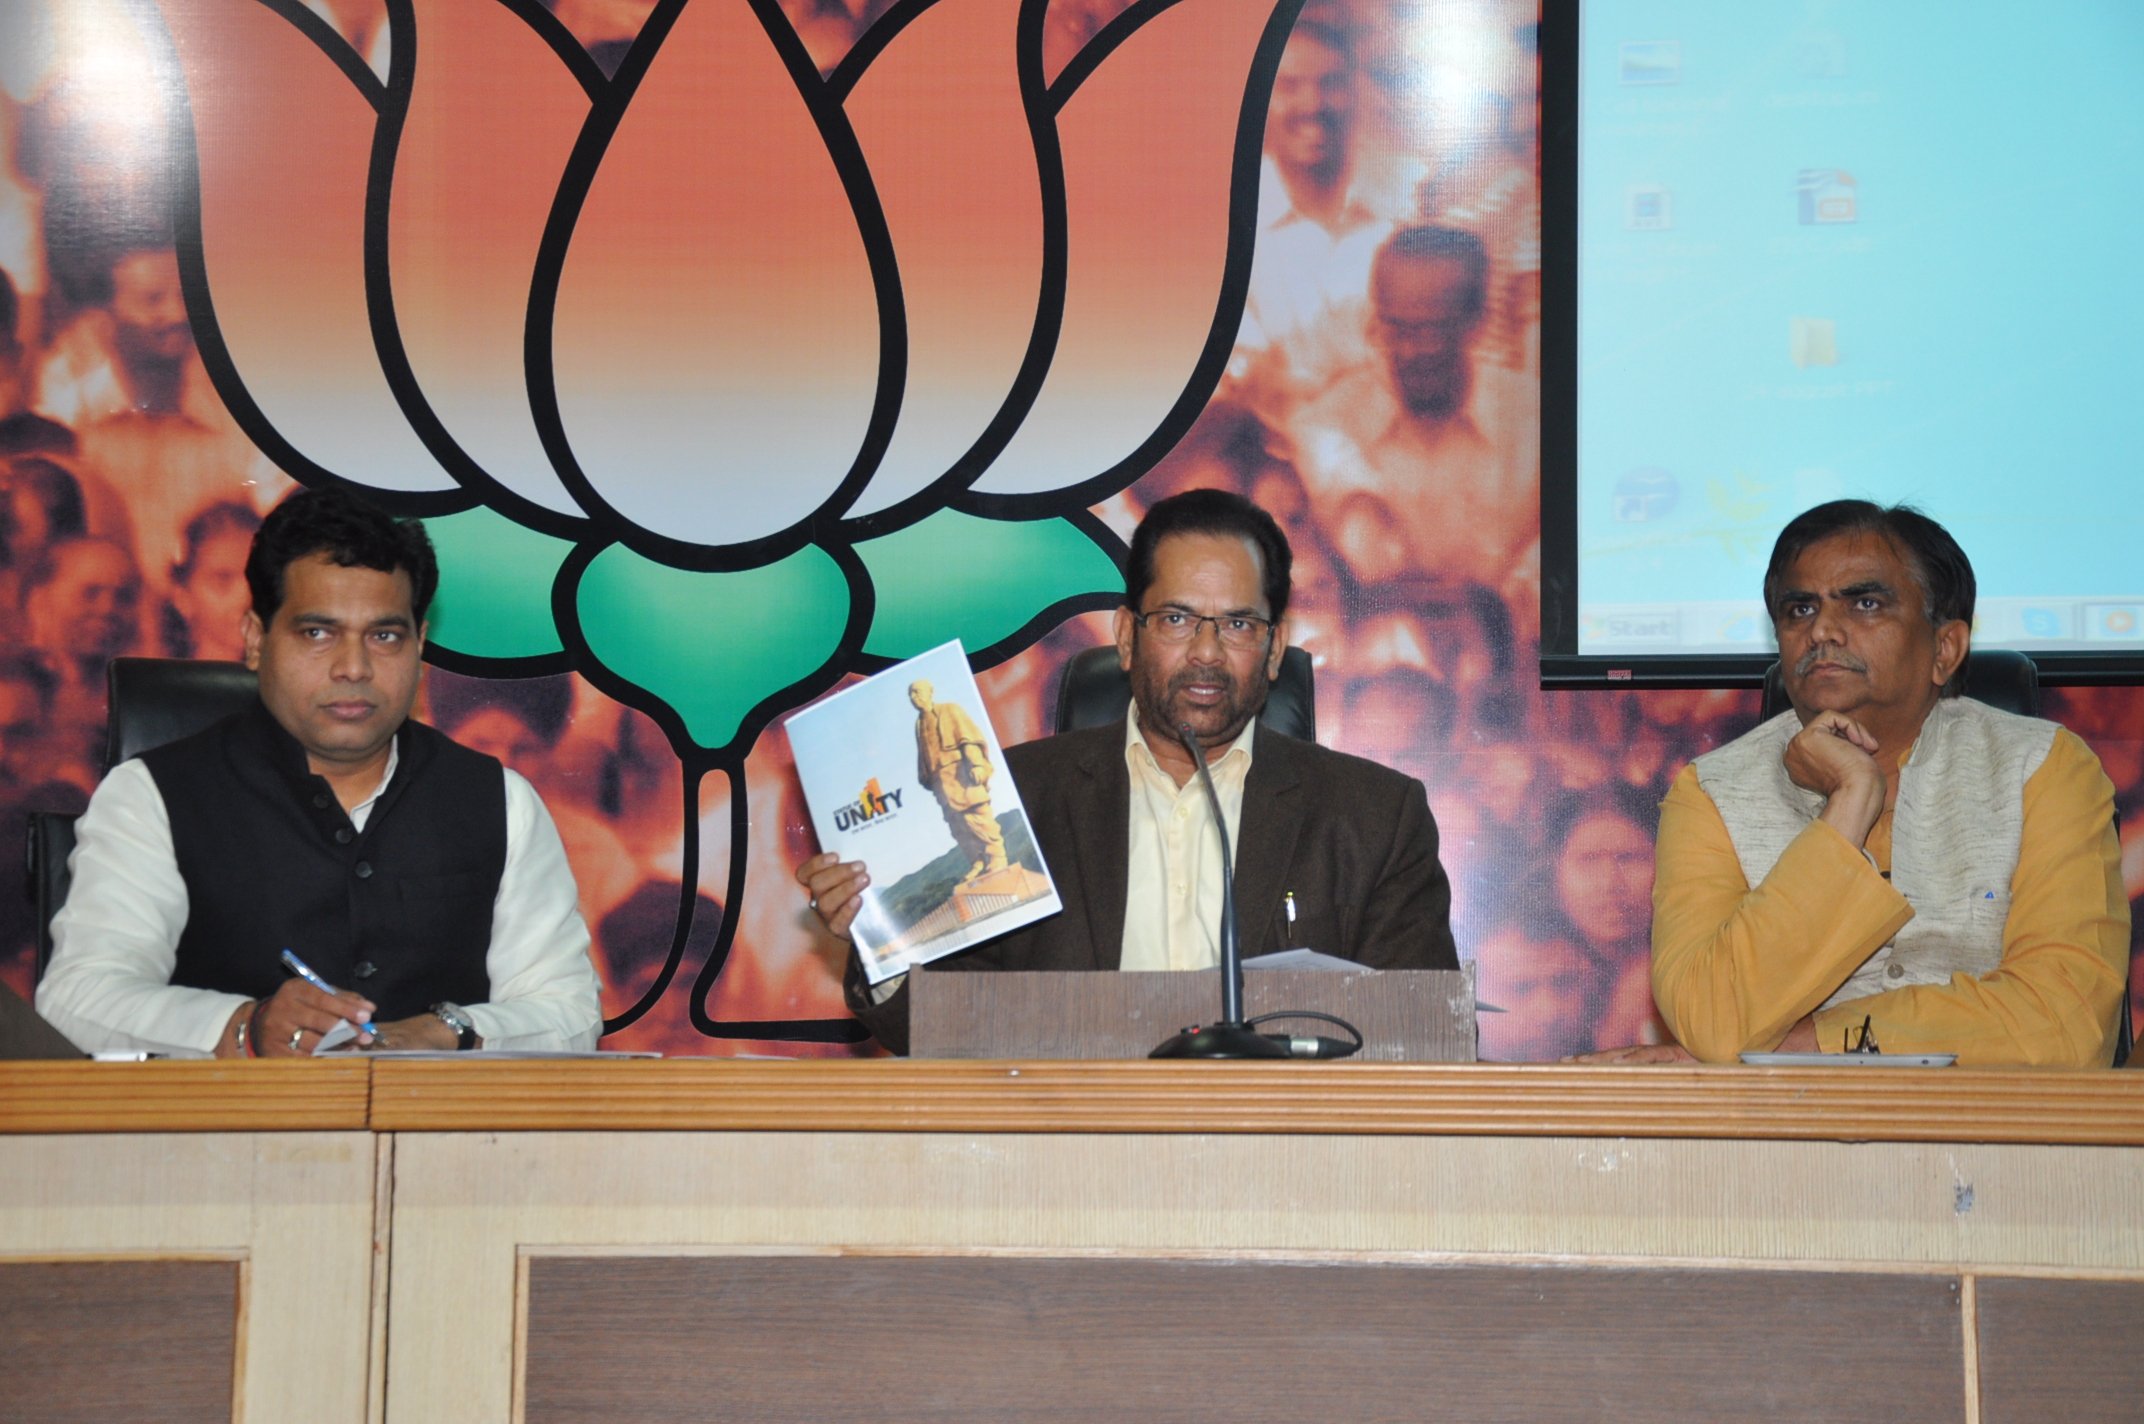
point(836, 887)
point(291, 1024)
point(1835, 757)
point(1801, 1038)
point(1637, 1053)
point(419, 1031)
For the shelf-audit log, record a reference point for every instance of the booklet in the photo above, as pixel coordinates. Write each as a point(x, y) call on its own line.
point(903, 772)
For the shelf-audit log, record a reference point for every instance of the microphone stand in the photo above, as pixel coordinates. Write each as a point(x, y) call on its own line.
point(1230, 1037)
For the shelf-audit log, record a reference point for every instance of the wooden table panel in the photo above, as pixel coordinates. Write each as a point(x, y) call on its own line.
point(1835, 1104)
point(194, 1095)
point(984, 1340)
point(2055, 1349)
point(103, 1340)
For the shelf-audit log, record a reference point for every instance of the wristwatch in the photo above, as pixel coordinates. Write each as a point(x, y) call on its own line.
point(454, 1016)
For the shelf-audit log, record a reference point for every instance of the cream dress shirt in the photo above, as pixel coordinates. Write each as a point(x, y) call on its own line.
point(1172, 900)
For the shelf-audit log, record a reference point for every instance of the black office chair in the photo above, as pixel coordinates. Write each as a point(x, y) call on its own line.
point(149, 701)
point(2003, 678)
point(1095, 692)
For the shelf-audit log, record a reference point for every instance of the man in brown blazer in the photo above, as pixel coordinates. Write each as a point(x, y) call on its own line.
point(1332, 852)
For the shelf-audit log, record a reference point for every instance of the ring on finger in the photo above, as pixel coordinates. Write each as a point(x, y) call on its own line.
point(295, 1035)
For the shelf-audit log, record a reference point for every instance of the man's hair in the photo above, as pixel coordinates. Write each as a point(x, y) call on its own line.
point(1427, 242)
point(353, 533)
point(57, 492)
point(1937, 563)
point(1332, 36)
point(46, 566)
point(225, 516)
point(22, 668)
point(1213, 512)
point(28, 433)
point(542, 704)
point(10, 315)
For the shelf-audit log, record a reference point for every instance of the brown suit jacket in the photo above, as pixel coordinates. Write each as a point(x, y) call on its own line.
point(1353, 841)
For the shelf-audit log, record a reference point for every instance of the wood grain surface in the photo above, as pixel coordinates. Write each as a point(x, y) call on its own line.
point(1835, 1104)
point(206, 1095)
point(97, 1341)
point(1013, 1339)
point(2056, 1349)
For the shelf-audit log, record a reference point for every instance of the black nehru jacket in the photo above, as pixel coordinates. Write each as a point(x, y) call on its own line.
point(400, 913)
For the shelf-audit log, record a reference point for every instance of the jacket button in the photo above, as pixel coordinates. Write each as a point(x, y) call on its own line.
point(1896, 971)
point(343, 835)
point(364, 870)
point(365, 969)
point(321, 800)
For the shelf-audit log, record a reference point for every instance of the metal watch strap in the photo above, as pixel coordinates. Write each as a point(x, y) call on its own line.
point(457, 1018)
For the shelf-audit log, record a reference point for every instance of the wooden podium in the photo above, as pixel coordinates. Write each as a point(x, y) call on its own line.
point(1405, 1015)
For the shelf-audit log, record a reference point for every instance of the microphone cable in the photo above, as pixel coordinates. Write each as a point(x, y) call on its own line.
point(1312, 1045)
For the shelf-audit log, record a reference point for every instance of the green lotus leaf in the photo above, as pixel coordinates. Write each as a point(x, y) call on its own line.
point(979, 580)
point(713, 646)
point(495, 581)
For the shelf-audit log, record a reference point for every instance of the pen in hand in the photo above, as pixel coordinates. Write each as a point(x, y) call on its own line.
point(304, 971)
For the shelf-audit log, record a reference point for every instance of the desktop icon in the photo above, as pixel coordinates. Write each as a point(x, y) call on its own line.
point(1813, 341)
point(1648, 208)
point(1650, 61)
point(2043, 623)
point(1826, 195)
point(2113, 622)
point(1644, 495)
point(1820, 54)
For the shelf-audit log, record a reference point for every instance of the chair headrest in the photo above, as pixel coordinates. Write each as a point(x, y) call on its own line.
point(2004, 678)
point(157, 700)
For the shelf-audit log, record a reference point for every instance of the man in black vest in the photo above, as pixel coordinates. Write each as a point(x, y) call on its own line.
point(423, 877)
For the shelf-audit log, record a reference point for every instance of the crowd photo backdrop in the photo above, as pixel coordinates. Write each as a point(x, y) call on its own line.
point(731, 351)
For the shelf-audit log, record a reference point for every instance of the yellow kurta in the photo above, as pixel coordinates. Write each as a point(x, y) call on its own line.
point(1735, 968)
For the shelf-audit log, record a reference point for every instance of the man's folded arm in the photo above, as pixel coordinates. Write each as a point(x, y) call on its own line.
point(544, 993)
point(2065, 967)
point(116, 939)
point(1734, 968)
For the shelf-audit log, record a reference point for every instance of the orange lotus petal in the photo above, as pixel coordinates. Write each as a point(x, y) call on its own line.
point(493, 116)
point(283, 141)
point(1149, 146)
point(715, 344)
point(942, 127)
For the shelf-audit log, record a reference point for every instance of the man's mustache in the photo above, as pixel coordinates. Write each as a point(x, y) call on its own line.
point(1221, 676)
point(1837, 657)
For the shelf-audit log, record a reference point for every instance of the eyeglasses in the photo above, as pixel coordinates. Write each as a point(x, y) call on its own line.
point(1235, 630)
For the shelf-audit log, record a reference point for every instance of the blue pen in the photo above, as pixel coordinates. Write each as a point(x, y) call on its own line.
point(305, 971)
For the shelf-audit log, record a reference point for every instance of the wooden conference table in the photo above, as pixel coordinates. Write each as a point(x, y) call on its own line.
point(636, 1240)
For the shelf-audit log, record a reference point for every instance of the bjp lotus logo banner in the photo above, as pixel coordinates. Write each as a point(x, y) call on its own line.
point(719, 378)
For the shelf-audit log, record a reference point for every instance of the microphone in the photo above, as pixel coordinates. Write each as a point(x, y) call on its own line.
point(1230, 1036)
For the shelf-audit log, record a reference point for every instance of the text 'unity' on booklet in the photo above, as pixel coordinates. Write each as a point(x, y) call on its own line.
point(903, 772)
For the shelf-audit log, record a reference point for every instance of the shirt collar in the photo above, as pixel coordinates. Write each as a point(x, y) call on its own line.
point(394, 759)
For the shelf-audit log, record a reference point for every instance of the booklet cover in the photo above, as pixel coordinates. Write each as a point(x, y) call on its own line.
point(903, 772)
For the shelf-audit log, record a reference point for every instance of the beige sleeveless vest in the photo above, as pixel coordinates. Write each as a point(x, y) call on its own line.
point(1954, 832)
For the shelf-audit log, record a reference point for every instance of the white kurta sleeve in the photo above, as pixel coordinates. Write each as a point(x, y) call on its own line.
point(116, 940)
point(544, 993)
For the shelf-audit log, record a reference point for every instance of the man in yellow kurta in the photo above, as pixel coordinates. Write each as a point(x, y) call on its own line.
point(1942, 873)
point(953, 760)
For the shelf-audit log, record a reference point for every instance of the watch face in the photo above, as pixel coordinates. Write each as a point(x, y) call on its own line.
point(453, 1017)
